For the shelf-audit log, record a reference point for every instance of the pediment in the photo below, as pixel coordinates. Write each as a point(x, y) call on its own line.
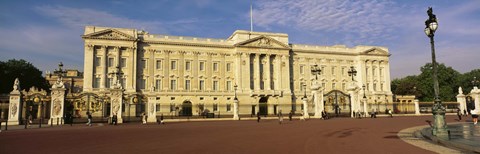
point(262, 42)
point(376, 51)
point(109, 34)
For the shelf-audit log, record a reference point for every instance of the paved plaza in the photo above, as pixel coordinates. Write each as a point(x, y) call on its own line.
point(338, 135)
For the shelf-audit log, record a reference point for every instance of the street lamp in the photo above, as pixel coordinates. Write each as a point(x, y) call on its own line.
point(475, 81)
point(352, 72)
point(316, 71)
point(304, 90)
point(438, 110)
point(364, 100)
point(235, 92)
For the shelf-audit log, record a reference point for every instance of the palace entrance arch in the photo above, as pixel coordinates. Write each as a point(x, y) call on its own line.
point(263, 106)
point(186, 109)
point(337, 103)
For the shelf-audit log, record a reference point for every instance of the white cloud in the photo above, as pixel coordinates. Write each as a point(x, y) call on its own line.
point(76, 18)
point(364, 21)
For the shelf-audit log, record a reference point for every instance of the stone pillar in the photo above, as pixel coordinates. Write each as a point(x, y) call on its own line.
point(58, 102)
point(103, 79)
point(15, 105)
point(89, 67)
point(305, 108)
point(317, 99)
point(417, 107)
point(267, 71)
point(116, 107)
point(256, 70)
point(235, 109)
point(461, 100)
point(151, 109)
point(353, 92)
point(476, 95)
point(365, 107)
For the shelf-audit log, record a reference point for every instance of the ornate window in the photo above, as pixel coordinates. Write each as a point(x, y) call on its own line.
point(158, 64)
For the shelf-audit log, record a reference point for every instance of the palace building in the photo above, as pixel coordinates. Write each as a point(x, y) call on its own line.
point(189, 75)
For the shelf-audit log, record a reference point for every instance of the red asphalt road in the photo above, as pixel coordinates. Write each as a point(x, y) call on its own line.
point(340, 135)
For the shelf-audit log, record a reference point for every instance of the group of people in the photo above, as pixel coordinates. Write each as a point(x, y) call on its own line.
point(465, 113)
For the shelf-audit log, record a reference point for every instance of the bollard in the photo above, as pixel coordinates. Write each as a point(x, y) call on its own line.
point(57, 121)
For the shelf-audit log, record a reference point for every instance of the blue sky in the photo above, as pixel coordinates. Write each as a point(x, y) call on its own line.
point(47, 32)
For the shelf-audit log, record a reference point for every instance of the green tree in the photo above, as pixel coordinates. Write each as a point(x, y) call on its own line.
point(404, 86)
point(466, 79)
point(448, 80)
point(28, 75)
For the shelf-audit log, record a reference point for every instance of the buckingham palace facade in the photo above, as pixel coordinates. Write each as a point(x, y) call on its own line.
point(189, 75)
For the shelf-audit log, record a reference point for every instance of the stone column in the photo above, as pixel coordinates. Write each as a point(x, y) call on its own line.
point(116, 108)
point(365, 107)
point(235, 109)
point(256, 72)
point(103, 79)
point(15, 105)
point(151, 109)
point(417, 107)
point(461, 100)
point(89, 67)
point(353, 91)
point(166, 70)
point(305, 108)
point(476, 95)
point(317, 91)
point(57, 104)
point(267, 77)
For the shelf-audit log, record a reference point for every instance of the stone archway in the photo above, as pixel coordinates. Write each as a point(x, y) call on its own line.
point(186, 109)
point(263, 106)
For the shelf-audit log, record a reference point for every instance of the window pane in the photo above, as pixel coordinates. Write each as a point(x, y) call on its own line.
point(124, 62)
point(158, 84)
point(110, 62)
point(202, 84)
point(228, 67)
point(187, 84)
point(215, 66)
point(173, 65)
point(202, 66)
point(159, 64)
point(187, 65)
point(173, 84)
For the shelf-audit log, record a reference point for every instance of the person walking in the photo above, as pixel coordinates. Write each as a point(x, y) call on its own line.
point(465, 112)
point(144, 118)
point(280, 117)
point(390, 113)
point(290, 115)
point(302, 117)
point(258, 116)
point(161, 119)
point(114, 119)
point(459, 114)
point(89, 119)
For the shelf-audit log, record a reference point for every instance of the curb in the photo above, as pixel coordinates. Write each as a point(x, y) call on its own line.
point(426, 133)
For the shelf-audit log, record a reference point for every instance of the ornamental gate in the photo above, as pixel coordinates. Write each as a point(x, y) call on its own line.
point(337, 103)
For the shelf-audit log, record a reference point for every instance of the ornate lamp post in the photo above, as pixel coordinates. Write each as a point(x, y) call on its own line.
point(352, 72)
point(439, 127)
point(475, 81)
point(235, 104)
point(316, 71)
point(304, 90)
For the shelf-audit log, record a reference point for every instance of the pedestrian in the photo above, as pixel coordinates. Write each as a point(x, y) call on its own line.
point(89, 119)
point(475, 118)
point(290, 115)
point(114, 119)
point(280, 117)
point(144, 118)
point(459, 114)
point(161, 119)
point(302, 118)
point(390, 113)
point(465, 112)
point(258, 116)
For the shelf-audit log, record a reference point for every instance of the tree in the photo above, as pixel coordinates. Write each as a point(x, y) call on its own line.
point(28, 75)
point(466, 79)
point(447, 80)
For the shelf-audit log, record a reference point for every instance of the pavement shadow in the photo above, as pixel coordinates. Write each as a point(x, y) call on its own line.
point(343, 133)
point(391, 137)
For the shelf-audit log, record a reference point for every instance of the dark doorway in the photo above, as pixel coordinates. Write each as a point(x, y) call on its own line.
point(139, 109)
point(186, 109)
point(263, 106)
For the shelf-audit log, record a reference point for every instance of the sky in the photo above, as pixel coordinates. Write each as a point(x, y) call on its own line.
point(49, 31)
